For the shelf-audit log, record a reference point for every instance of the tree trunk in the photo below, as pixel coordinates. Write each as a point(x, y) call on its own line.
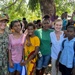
point(47, 7)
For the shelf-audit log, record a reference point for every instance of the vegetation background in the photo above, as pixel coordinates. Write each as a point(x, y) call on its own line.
point(35, 9)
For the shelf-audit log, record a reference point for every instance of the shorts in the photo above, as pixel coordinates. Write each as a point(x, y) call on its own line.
point(43, 62)
point(64, 70)
point(17, 67)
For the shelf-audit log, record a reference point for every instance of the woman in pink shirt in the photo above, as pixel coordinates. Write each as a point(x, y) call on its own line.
point(16, 41)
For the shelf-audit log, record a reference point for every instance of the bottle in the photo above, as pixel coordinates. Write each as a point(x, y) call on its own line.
point(39, 53)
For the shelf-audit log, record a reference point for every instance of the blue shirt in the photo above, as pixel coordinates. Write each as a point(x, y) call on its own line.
point(67, 54)
point(65, 22)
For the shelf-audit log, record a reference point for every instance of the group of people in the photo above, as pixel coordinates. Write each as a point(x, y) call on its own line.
point(33, 48)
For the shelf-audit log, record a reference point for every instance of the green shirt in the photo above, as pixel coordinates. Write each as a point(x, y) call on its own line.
point(45, 41)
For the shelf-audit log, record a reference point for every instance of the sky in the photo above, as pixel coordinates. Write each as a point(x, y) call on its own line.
point(27, 1)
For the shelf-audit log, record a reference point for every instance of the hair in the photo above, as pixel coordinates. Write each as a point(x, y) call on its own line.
point(38, 21)
point(24, 18)
point(31, 24)
point(57, 20)
point(72, 27)
point(46, 17)
point(13, 22)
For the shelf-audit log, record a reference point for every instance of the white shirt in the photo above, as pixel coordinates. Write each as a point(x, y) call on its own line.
point(56, 44)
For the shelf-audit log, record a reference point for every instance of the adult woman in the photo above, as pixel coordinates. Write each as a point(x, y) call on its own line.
point(3, 45)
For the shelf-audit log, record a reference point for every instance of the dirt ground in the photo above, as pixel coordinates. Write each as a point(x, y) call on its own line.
point(48, 70)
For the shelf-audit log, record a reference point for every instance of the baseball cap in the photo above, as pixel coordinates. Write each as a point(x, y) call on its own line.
point(3, 17)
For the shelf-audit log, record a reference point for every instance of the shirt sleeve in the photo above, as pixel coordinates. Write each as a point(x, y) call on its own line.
point(37, 41)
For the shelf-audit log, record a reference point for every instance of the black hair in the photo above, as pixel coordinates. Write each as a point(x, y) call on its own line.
point(35, 22)
point(31, 24)
point(24, 18)
point(13, 22)
point(38, 21)
point(72, 27)
point(46, 17)
point(65, 12)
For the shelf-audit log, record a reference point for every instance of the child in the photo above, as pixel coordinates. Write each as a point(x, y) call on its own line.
point(45, 45)
point(31, 49)
point(16, 41)
point(66, 55)
point(56, 39)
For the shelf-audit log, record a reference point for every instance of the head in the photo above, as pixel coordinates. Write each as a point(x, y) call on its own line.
point(24, 19)
point(16, 26)
point(58, 25)
point(3, 21)
point(39, 25)
point(31, 28)
point(70, 31)
point(46, 22)
point(46, 17)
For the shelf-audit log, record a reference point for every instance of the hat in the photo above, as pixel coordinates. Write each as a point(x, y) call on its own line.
point(3, 17)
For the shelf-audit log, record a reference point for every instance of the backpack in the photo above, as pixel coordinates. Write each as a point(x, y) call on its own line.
point(74, 51)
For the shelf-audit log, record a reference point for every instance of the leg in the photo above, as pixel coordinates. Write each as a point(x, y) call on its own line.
point(38, 72)
point(53, 71)
point(17, 73)
point(46, 59)
point(73, 72)
point(18, 69)
point(42, 71)
point(59, 73)
point(12, 73)
point(39, 65)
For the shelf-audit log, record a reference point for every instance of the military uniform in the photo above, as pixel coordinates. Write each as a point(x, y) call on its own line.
point(3, 53)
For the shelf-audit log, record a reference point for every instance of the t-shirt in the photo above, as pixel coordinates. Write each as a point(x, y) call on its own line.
point(30, 49)
point(16, 47)
point(56, 44)
point(45, 41)
point(67, 55)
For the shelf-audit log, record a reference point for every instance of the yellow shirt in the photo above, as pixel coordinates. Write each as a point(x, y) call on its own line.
point(29, 50)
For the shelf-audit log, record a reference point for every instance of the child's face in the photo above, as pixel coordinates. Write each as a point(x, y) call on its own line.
point(58, 26)
point(70, 32)
point(17, 27)
point(30, 30)
point(46, 24)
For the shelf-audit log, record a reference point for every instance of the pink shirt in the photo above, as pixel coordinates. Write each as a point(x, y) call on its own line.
point(16, 47)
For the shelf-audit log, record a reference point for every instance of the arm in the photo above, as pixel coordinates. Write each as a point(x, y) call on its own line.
point(10, 59)
point(34, 54)
point(57, 61)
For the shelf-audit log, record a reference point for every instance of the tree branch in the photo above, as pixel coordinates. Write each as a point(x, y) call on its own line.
point(19, 5)
point(9, 5)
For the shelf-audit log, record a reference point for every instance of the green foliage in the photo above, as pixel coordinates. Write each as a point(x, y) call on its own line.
point(64, 5)
point(19, 10)
point(33, 4)
point(32, 11)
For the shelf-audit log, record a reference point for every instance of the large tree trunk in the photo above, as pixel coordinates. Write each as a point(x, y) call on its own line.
point(47, 7)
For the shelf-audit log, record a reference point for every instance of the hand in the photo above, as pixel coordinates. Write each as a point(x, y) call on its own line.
point(57, 65)
point(28, 44)
point(11, 64)
point(23, 63)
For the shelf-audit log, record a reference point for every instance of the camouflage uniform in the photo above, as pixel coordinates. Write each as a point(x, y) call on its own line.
point(3, 53)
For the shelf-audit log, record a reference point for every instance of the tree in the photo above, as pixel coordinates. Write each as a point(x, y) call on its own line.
point(53, 6)
point(35, 9)
point(46, 6)
point(17, 9)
